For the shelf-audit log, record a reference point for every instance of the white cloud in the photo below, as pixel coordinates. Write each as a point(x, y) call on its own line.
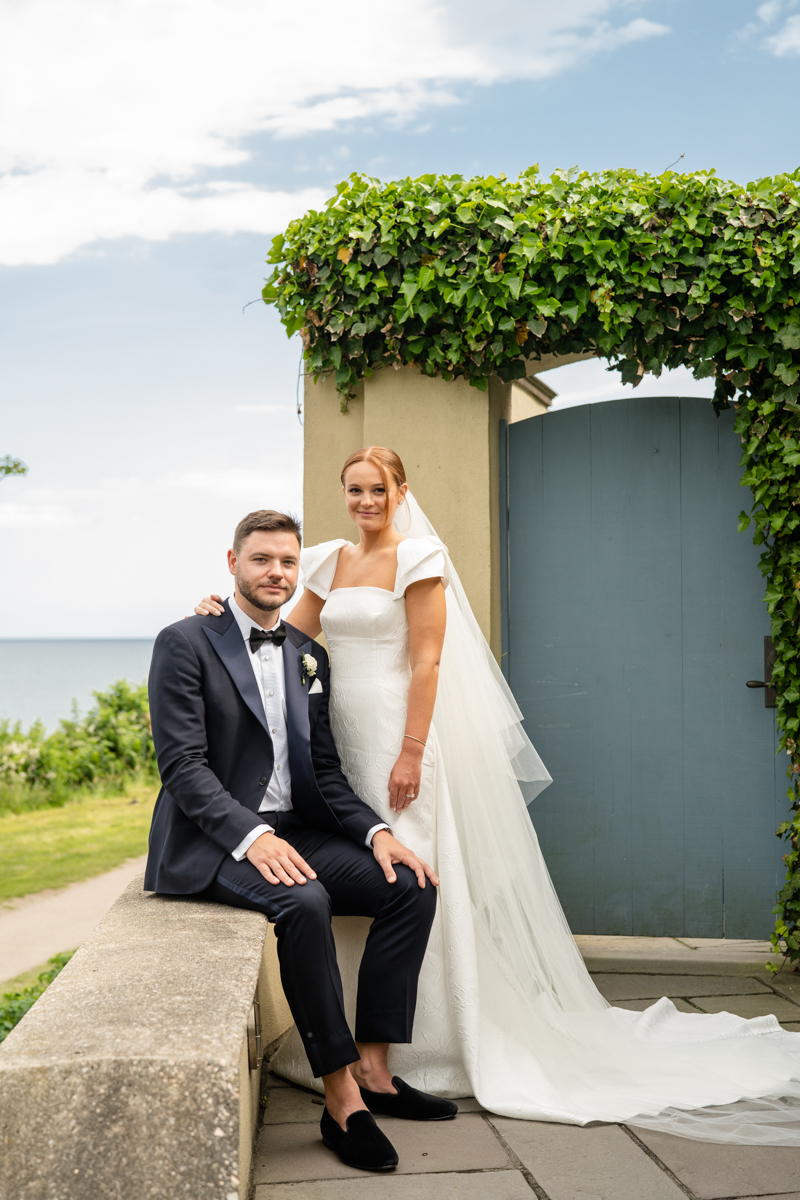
point(784, 40)
point(236, 483)
point(70, 508)
point(33, 515)
point(590, 382)
point(112, 112)
point(262, 408)
point(787, 40)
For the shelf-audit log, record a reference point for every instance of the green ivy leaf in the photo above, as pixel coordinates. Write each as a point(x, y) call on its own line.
point(787, 374)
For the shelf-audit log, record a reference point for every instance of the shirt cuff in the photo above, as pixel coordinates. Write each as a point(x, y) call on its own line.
point(374, 830)
point(246, 843)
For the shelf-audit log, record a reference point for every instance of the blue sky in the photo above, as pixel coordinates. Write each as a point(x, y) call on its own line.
point(149, 150)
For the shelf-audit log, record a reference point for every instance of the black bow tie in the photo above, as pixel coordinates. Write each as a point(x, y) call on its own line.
point(258, 636)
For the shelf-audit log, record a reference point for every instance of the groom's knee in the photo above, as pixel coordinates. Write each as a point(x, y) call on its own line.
point(406, 887)
point(306, 903)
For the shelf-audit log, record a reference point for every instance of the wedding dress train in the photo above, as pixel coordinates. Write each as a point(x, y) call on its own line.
point(507, 1011)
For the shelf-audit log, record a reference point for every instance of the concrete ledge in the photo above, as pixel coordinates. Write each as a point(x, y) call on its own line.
point(130, 1077)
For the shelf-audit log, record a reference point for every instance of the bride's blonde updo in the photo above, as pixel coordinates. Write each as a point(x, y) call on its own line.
point(388, 463)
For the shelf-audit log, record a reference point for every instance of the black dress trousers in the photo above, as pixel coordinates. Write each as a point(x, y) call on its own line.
point(349, 883)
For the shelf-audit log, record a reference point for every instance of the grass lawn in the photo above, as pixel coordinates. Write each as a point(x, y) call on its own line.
point(55, 846)
point(25, 980)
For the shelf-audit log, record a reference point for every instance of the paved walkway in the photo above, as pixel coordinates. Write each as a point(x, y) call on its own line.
point(38, 926)
point(482, 1157)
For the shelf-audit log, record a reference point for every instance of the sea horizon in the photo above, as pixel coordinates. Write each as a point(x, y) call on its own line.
point(41, 678)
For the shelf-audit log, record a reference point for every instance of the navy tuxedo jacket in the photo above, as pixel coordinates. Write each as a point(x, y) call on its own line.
point(215, 753)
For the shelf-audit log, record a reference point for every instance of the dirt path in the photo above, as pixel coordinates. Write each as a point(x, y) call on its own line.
point(33, 928)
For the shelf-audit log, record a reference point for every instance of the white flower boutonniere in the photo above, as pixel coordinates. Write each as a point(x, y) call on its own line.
point(309, 667)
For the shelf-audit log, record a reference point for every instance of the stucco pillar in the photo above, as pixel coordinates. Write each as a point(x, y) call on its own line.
point(447, 435)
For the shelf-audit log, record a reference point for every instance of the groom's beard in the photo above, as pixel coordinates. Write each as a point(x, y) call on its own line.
point(264, 603)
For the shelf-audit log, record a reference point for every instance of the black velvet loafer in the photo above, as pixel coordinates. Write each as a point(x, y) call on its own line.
point(409, 1104)
point(363, 1145)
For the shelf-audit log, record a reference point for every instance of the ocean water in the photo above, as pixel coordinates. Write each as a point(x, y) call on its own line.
point(40, 679)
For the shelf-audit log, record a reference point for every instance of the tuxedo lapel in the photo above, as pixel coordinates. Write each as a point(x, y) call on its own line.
point(298, 727)
point(232, 649)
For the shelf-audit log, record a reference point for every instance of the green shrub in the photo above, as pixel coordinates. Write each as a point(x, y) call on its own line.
point(112, 744)
point(14, 1005)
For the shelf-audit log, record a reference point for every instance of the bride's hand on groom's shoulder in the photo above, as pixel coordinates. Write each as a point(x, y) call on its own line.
point(210, 606)
point(278, 862)
point(388, 851)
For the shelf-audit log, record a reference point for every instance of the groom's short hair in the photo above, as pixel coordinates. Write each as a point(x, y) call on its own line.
point(266, 520)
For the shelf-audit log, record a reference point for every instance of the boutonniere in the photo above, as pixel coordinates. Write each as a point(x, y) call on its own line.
point(309, 667)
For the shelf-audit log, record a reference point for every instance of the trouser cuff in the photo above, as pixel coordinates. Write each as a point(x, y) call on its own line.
point(384, 1026)
point(328, 1057)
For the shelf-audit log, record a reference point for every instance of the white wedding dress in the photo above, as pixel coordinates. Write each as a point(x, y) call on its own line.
point(506, 1009)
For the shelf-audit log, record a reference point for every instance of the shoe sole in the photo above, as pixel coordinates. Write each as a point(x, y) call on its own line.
point(357, 1166)
point(378, 1113)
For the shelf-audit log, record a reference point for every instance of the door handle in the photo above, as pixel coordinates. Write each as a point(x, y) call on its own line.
point(770, 696)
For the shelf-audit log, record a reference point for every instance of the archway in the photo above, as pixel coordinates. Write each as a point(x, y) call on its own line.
point(469, 278)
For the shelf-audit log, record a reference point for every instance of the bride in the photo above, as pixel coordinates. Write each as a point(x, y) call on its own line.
point(430, 737)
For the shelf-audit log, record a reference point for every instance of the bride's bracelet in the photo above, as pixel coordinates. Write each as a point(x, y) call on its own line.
point(414, 739)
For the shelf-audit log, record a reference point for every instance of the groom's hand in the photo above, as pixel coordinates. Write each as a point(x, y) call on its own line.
point(279, 862)
point(389, 851)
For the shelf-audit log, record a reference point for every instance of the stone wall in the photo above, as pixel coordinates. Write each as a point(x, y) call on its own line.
point(130, 1077)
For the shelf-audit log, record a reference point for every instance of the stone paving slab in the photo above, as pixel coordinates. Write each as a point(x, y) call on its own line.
point(599, 1163)
point(712, 1172)
point(291, 1105)
point(636, 987)
point(749, 1006)
point(685, 956)
point(478, 1185)
point(292, 1152)
point(787, 984)
point(641, 1005)
point(270, 1080)
point(791, 1026)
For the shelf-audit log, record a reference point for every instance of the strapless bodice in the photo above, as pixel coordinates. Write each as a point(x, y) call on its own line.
point(367, 633)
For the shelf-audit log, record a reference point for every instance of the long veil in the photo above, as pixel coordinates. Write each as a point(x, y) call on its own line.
point(538, 1040)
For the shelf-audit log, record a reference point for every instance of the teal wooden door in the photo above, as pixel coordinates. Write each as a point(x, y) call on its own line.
point(634, 618)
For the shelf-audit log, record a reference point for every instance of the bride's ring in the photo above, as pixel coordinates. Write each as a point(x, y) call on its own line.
point(411, 795)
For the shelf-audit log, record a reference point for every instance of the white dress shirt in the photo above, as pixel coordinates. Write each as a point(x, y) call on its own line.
point(267, 664)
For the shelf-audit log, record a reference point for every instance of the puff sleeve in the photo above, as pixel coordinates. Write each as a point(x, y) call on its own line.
point(420, 558)
point(318, 566)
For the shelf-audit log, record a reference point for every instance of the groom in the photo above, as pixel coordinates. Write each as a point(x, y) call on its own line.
point(256, 812)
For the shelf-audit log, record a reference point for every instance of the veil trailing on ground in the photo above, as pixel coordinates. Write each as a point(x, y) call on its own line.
point(538, 1040)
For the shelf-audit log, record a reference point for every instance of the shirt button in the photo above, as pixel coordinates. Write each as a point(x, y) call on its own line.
point(266, 658)
point(272, 693)
point(274, 730)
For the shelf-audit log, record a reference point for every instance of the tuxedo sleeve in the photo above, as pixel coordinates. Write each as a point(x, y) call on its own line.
point(356, 817)
point(178, 717)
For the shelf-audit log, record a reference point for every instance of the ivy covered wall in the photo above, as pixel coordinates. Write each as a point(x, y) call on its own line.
point(471, 277)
